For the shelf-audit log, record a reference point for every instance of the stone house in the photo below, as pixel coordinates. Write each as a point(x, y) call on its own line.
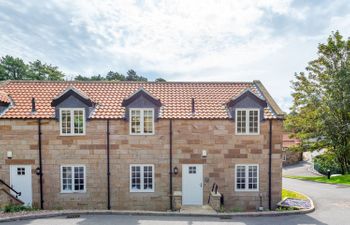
point(290, 157)
point(140, 145)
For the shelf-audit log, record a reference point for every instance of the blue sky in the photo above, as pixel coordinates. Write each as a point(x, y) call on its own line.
point(206, 40)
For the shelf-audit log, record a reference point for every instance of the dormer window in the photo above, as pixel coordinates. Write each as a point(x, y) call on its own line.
point(247, 121)
point(142, 121)
point(72, 121)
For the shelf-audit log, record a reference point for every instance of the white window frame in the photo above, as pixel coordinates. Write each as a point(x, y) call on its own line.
point(142, 178)
point(141, 121)
point(72, 121)
point(247, 110)
point(61, 178)
point(247, 177)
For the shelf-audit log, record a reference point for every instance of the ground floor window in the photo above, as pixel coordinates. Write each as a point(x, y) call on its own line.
point(73, 178)
point(141, 178)
point(247, 177)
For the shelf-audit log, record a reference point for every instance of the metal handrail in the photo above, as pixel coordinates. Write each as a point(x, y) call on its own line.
point(215, 188)
point(17, 193)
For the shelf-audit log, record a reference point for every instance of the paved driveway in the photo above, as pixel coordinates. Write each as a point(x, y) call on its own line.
point(300, 169)
point(332, 202)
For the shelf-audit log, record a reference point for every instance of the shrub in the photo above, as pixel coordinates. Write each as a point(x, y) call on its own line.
point(326, 162)
point(17, 208)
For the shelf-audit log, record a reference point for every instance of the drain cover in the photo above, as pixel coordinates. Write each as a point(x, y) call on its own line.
point(225, 217)
point(73, 216)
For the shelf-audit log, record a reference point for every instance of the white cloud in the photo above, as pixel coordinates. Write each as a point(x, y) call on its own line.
point(176, 39)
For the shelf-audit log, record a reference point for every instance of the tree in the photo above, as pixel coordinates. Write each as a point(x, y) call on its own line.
point(110, 76)
point(132, 76)
point(160, 80)
point(82, 78)
point(321, 101)
point(13, 68)
point(98, 77)
point(39, 71)
point(115, 76)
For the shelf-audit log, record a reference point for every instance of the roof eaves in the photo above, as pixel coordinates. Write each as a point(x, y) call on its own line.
point(71, 88)
point(273, 105)
point(141, 89)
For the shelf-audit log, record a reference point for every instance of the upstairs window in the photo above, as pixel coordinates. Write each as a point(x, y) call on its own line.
point(247, 177)
point(142, 121)
point(247, 121)
point(72, 121)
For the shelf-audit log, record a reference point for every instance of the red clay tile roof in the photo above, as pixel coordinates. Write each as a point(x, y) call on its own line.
point(4, 97)
point(210, 97)
point(288, 142)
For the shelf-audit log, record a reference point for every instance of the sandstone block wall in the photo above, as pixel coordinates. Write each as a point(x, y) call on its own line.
point(190, 137)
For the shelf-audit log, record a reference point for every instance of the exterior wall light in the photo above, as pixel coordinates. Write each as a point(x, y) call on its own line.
point(37, 171)
point(204, 153)
point(9, 154)
point(176, 170)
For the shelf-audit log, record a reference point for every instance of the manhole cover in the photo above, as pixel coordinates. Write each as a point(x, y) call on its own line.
point(73, 216)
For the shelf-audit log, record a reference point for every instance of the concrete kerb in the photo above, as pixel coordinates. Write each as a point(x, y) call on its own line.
point(155, 213)
point(311, 209)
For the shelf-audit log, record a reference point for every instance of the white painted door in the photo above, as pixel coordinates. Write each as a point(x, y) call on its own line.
point(21, 181)
point(192, 184)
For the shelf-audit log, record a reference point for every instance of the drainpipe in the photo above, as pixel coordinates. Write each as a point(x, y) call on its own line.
point(171, 163)
point(108, 171)
point(270, 163)
point(40, 166)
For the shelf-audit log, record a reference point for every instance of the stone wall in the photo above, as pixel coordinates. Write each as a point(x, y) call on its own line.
point(20, 137)
point(190, 137)
point(292, 157)
point(225, 150)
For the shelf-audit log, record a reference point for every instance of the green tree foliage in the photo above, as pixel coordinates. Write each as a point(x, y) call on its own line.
point(113, 76)
point(132, 76)
point(160, 80)
point(15, 69)
point(40, 71)
point(12, 68)
point(321, 101)
point(82, 78)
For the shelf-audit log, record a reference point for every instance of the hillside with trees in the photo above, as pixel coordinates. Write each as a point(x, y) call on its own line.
point(12, 68)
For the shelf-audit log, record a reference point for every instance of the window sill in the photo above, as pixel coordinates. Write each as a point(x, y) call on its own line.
point(240, 191)
point(142, 134)
point(71, 135)
point(73, 192)
point(142, 191)
point(247, 134)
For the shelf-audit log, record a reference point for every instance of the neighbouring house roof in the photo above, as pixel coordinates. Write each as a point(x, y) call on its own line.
point(289, 142)
point(175, 97)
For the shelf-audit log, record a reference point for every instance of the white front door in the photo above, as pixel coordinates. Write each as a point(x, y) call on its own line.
point(21, 181)
point(192, 184)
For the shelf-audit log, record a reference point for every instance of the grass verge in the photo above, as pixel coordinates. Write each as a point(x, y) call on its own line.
point(291, 194)
point(343, 179)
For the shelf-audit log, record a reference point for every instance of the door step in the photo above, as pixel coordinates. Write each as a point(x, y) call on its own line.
point(197, 209)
